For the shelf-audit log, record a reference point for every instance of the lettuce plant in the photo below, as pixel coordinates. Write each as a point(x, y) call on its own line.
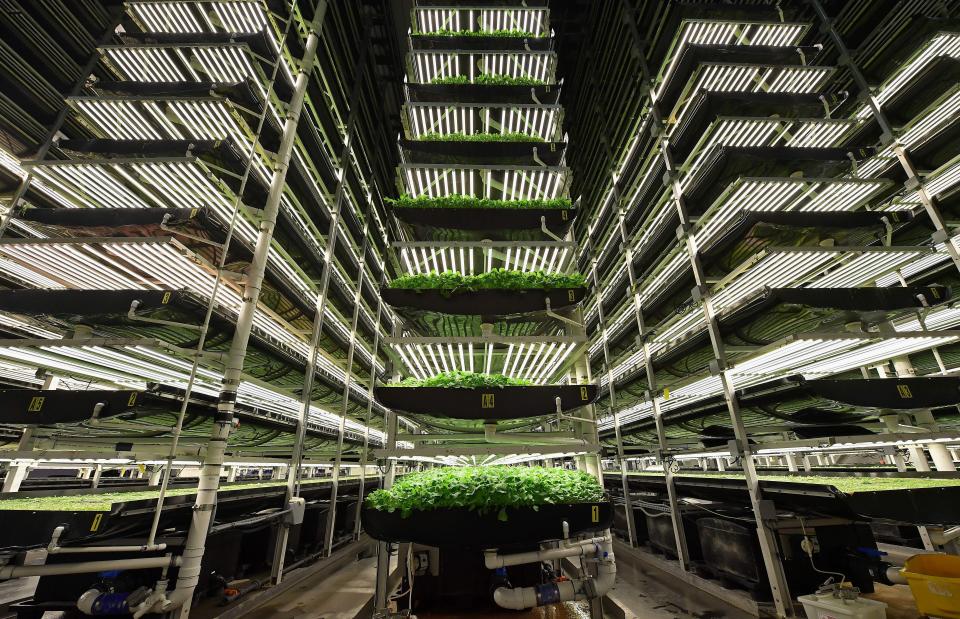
point(463, 380)
point(505, 33)
point(485, 489)
point(489, 79)
point(458, 201)
point(512, 136)
point(497, 279)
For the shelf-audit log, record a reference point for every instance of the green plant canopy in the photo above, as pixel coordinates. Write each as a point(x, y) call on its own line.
point(489, 79)
point(446, 32)
point(102, 502)
point(511, 136)
point(497, 279)
point(486, 489)
point(463, 380)
point(845, 484)
point(458, 201)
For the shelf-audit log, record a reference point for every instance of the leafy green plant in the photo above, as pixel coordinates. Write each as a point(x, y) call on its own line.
point(102, 502)
point(485, 489)
point(511, 33)
point(458, 201)
point(847, 485)
point(512, 136)
point(463, 380)
point(489, 79)
point(497, 279)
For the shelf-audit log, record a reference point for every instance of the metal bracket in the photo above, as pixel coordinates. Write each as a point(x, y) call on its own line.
point(545, 230)
point(536, 157)
point(132, 315)
point(562, 319)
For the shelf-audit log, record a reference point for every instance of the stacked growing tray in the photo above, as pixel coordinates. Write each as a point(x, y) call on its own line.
point(447, 153)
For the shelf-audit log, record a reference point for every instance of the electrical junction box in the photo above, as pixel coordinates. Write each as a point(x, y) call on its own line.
point(297, 506)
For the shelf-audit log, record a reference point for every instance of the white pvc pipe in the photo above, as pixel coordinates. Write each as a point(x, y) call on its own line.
point(520, 598)
point(492, 560)
point(87, 567)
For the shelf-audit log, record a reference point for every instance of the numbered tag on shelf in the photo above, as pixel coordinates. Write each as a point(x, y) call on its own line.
point(486, 400)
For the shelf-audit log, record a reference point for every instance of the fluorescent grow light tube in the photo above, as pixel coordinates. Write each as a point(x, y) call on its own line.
point(198, 16)
point(468, 258)
point(941, 44)
point(150, 264)
point(429, 65)
point(715, 32)
point(492, 182)
point(461, 18)
point(537, 359)
point(543, 121)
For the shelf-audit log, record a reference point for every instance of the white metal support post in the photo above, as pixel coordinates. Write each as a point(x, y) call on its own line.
point(676, 516)
point(365, 449)
point(293, 479)
point(182, 597)
point(614, 410)
point(351, 351)
point(381, 592)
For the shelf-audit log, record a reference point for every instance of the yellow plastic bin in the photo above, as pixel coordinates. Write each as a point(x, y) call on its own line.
point(935, 583)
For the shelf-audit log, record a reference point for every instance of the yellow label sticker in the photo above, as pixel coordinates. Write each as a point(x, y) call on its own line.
point(935, 292)
point(96, 522)
point(132, 399)
point(666, 394)
point(486, 400)
point(563, 215)
point(571, 295)
point(36, 403)
point(166, 298)
point(595, 513)
point(584, 394)
point(904, 391)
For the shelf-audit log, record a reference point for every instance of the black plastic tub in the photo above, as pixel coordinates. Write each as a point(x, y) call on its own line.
point(731, 551)
point(493, 302)
point(462, 528)
point(557, 220)
point(489, 403)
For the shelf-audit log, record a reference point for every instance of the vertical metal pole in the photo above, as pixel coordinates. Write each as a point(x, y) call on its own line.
point(365, 450)
point(293, 481)
point(614, 409)
point(357, 300)
point(381, 592)
point(189, 574)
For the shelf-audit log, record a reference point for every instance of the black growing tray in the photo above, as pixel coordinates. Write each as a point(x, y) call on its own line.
point(463, 528)
point(494, 302)
point(490, 403)
point(557, 220)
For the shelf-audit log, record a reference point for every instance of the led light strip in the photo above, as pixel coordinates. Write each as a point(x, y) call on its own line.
point(809, 354)
point(537, 362)
point(443, 118)
point(424, 257)
point(709, 32)
point(147, 264)
point(518, 183)
point(942, 44)
point(429, 65)
point(527, 19)
point(178, 17)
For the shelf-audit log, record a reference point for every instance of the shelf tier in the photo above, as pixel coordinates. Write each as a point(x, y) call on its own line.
point(489, 404)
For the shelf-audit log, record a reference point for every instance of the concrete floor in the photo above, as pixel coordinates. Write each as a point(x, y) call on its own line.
point(340, 596)
point(645, 595)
